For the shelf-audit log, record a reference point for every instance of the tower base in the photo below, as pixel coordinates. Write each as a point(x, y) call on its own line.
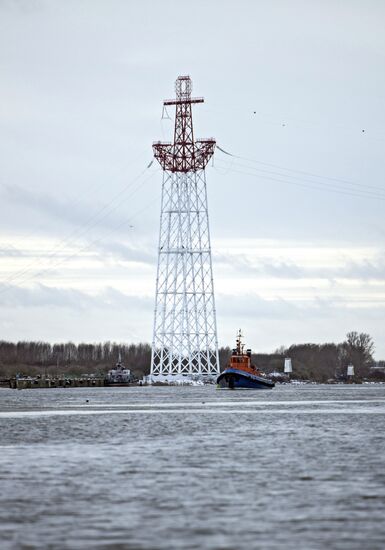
point(180, 379)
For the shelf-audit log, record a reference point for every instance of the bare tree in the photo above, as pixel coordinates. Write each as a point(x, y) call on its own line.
point(358, 349)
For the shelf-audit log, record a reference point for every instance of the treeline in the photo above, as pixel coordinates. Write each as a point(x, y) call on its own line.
point(70, 357)
point(321, 362)
point(317, 362)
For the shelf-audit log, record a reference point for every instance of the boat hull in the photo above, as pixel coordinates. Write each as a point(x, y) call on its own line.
point(234, 379)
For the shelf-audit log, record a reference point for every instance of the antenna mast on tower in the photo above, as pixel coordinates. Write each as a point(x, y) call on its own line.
point(185, 332)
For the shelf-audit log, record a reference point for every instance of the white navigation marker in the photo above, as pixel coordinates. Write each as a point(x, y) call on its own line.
point(288, 368)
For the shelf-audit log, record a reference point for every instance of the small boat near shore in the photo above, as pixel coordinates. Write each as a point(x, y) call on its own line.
point(241, 373)
point(119, 375)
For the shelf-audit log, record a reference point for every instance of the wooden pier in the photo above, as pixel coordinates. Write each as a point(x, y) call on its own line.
point(30, 383)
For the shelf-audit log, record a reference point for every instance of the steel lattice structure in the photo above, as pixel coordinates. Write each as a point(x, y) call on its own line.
point(185, 332)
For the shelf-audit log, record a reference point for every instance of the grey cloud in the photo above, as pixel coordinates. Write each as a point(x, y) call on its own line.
point(86, 216)
point(42, 296)
point(363, 270)
point(253, 306)
point(117, 299)
point(127, 252)
point(53, 297)
point(256, 307)
point(11, 252)
point(246, 306)
point(241, 262)
point(374, 269)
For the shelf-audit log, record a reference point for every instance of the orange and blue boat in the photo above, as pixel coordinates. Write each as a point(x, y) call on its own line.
point(241, 373)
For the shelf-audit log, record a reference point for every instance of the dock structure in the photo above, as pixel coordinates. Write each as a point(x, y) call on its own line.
point(30, 383)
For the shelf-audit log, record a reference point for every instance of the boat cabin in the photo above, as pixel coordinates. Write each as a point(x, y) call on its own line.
point(239, 358)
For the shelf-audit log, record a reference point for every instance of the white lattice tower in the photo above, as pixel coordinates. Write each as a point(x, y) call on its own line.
point(185, 334)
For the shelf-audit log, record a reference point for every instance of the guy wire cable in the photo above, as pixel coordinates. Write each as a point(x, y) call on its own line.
point(85, 247)
point(90, 188)
point(87, 226)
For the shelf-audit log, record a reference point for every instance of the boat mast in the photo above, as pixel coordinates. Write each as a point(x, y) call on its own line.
point(239, 343)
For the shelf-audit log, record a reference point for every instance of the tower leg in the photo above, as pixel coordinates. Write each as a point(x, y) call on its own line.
point(185, 334)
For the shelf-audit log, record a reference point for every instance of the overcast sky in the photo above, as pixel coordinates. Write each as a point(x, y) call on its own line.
point(295, 90)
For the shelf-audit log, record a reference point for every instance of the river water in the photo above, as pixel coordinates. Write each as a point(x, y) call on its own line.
point(297, 467)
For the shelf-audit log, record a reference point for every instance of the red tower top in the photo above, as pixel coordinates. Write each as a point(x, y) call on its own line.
point(185, 154)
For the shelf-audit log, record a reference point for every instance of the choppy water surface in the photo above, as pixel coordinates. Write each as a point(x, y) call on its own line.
point(298, 467)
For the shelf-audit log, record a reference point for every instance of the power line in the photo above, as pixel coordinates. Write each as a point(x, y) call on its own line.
point(343, 183)
point(92, 188)
point(91, 222)
point(310, 185)
point(85, 247)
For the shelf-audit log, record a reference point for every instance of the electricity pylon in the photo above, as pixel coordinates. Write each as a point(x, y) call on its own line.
point(185, 333)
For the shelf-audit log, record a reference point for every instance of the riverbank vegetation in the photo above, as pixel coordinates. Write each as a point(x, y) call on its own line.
point(315, 362)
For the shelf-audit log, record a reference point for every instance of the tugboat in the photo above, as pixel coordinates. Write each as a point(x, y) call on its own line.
point(119, 375)
point(240, 373)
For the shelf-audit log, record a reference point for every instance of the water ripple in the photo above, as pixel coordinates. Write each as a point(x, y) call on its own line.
point(192, 468)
